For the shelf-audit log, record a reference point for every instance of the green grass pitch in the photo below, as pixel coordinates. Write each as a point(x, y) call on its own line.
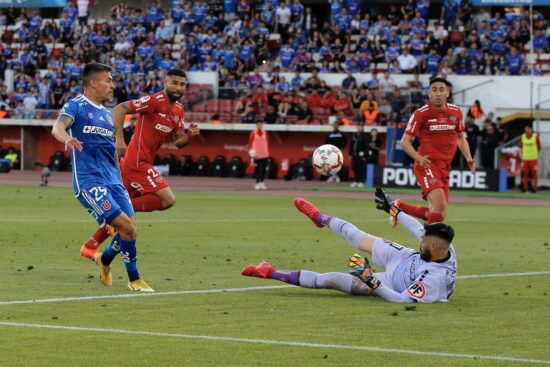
point(203, 243)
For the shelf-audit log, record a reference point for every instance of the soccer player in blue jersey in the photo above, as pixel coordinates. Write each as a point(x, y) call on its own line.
point(427, 275)
point(86, 127)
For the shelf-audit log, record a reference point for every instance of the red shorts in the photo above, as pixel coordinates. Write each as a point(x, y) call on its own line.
point(530, 166)
point(436, 177)
point(141, 180)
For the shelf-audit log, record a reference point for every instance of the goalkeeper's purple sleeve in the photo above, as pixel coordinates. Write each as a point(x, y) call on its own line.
point(392, 296)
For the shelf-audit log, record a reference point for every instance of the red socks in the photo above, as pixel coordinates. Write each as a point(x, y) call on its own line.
point(147, 203)
point(435, 217)
point(100, 235)
point(421, 212)
point(416, 211)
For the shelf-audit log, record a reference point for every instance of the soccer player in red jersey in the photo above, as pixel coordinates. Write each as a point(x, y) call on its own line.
point(439, 126)
point(161, 120)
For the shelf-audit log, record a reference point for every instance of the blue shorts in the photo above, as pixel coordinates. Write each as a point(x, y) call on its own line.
point(105, 203)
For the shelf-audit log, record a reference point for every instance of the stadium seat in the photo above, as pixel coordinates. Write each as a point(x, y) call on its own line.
point(218, 168)
point(200, 167)
point(236, 167)
point(186, 165)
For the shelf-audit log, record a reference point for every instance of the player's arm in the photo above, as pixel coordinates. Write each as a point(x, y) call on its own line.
point(59, 132)
point(465, 150)
point(183, 138)
point(119, 112)
point(406, 144)
point(386, 203)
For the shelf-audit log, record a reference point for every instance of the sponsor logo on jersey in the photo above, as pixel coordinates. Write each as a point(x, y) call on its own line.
point(136, 185)
point(97, 130)
point(417, 290)
point(160, 127)
point(441, 127)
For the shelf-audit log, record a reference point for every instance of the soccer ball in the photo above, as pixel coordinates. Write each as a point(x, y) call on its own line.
point(327, 160)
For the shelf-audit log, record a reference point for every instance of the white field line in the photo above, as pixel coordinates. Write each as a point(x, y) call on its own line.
point(207, 291)
point(280, 342)
point(239, 220)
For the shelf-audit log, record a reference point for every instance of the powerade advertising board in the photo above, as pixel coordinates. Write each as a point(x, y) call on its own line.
point(481, 180)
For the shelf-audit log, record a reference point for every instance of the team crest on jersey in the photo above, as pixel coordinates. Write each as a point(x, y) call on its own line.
point(452, 118)
point(90, 115)
point(106, 205)
point(417, 290)
point(110, 120)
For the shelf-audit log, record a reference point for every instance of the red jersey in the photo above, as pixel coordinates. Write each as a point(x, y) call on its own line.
point(158, 120)
point(437, 130)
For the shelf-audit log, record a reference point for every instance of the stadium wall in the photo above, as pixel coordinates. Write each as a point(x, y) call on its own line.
point(292, 142)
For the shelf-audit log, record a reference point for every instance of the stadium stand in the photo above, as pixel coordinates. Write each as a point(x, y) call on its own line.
point(248, 37)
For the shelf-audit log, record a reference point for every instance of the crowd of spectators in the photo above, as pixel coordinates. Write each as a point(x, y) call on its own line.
point(241, 38)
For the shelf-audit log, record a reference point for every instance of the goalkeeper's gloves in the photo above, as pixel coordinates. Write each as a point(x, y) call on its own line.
point(359, 267)
point(385, 202)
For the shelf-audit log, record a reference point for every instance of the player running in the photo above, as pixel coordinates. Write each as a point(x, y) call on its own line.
point(439, 126)
point(86, 127)
point(425, 276)
point(161, 119)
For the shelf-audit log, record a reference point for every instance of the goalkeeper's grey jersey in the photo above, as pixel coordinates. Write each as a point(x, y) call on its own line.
point(415, 278)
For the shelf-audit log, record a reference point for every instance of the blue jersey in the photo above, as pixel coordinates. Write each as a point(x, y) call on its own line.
point(93, 125)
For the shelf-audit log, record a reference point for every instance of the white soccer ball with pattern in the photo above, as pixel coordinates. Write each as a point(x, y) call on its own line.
point(327, 160)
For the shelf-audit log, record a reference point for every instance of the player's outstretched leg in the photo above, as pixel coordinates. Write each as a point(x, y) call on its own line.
point(91, 247)
point(340, 227)
point(308, 209)
point(306, 279)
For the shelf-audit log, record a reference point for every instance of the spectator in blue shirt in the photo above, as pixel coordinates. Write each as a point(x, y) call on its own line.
point(335, 9)
point(199, 11)
point(298, 80)
point(514, 62)
point(229, 7)
point(423, 7)
point(448, 12)
point(540, 42)
point(268, 15)
point(431, 62)
point(499, 48)
point(287, 55)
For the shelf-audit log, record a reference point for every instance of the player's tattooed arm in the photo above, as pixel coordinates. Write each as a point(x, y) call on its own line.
point(182, 138)
point(119, 112)
point(59, 132)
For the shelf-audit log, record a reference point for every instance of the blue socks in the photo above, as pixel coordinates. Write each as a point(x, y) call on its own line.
point(127, 250)
point(129, 256)
point(111, 251)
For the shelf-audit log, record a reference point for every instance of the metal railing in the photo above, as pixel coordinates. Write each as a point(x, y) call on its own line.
point(463, 91)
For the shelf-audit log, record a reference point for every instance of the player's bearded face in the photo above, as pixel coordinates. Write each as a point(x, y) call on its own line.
point(438, 94)
point(175, 86)
point(425, 252)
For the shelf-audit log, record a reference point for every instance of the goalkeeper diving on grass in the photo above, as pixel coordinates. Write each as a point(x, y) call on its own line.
point(427, 275)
